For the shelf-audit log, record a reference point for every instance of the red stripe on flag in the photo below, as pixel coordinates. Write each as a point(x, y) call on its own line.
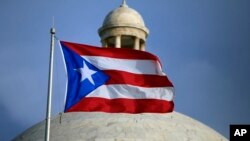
point(143, 80)
point(120, 53)
point(123, 105)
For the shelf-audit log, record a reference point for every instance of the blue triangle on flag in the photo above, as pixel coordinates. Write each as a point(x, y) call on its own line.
point(83, 77)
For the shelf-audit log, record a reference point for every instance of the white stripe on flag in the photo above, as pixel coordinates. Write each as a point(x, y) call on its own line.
point(132, 92)
point(128, 65)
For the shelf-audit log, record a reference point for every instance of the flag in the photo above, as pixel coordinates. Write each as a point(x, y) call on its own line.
point(115, 80)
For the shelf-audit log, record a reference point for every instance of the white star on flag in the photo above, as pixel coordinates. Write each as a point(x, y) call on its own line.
point(86, 73)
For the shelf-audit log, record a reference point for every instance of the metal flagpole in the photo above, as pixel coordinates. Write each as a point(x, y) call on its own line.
point(48, 116)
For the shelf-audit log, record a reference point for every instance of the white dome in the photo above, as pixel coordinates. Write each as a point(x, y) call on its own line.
point(124, 16)
point(96, 126)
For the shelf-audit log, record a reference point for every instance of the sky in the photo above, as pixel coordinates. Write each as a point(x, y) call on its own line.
point(204, 47)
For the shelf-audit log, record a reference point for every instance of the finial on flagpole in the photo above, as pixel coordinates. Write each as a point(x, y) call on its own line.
point(124, 4)
point(53, 30)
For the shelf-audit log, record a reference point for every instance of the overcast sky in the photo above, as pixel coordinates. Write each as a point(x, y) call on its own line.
point(204, 46)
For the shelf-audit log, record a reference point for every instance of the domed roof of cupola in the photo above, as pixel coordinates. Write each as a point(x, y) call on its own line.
point(123, 16)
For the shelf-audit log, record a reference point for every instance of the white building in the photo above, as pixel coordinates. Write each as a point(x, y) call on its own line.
point(122, 28)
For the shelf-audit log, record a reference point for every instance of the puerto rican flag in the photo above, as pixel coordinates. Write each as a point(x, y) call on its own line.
point(115, 80)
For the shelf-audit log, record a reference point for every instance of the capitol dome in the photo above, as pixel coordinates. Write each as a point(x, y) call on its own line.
point(97, 126)
point(124, 16)
point(124, 27)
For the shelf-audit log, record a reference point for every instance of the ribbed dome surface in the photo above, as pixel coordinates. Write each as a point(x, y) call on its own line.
point(124, 16)
point(122, 127)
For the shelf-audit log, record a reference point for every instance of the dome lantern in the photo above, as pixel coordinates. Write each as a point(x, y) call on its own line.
point(123, 28)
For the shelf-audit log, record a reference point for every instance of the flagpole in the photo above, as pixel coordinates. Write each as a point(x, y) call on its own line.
point(48, 116)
